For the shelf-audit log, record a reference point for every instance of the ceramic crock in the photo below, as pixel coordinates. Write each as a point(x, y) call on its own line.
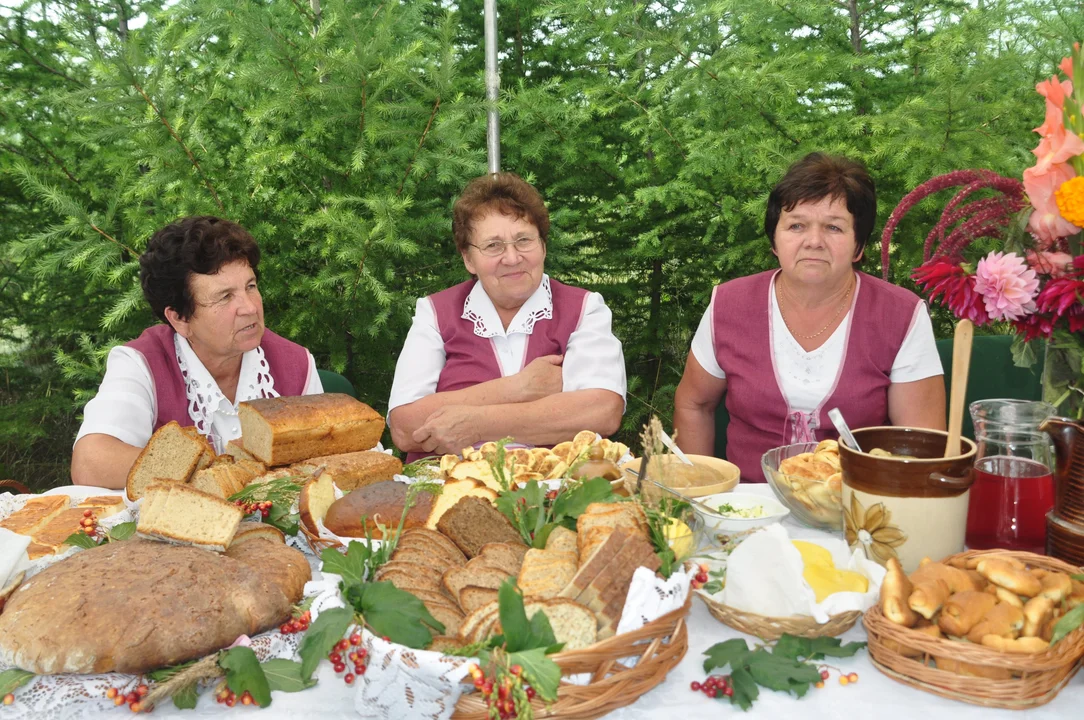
point(907, 507)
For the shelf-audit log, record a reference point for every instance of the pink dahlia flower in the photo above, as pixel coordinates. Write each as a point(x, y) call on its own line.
point(1007, 285)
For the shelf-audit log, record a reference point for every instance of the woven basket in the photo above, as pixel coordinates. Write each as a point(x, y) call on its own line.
point(317, 543)
point(1033, 679)
point(772, 628)
point(657, 647)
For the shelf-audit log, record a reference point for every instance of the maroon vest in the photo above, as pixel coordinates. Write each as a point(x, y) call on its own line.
point(470, 359)
point(288, 364)
point(760, 418)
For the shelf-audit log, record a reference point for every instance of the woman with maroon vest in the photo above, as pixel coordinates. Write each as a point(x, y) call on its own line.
point(511, 352)
point(199, 276)
point(788, 345)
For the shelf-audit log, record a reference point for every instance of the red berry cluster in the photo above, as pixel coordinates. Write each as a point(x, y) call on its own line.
point(297, 624)
point(357, 657)
point(500, 691)
point(715, 686)
point(701, 576)
point(89, 524)
point(229, 698)
point(551, 495)
point(262, 507)
point(134, 699)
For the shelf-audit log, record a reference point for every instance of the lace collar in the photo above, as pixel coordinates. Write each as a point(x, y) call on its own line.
point(204, 396)
point(479, 309)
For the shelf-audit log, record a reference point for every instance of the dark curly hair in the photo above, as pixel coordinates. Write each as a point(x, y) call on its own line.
point(505, 192)
point(817, 176)
point(198, 244)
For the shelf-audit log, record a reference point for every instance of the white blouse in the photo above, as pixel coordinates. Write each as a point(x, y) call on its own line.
point(126, 406)
point(807, 377)
point(593, 358)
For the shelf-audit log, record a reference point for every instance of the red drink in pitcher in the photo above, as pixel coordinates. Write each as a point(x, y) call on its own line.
point(1009, 502)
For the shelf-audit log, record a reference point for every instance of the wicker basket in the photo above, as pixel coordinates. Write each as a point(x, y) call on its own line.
point(772, 628)
point(317, 543)
point(658, 646)
point(1026, 680)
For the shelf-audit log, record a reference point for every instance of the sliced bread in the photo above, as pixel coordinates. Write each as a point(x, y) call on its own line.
point(236, 450)
point(104, 505)
point(441, 643)
point(358, 469)
point(433, 542)
point(505, 557)
point(316, 497)
point(287, 430)
point(545, 573)
point(447, 615)
point(452, 492)
point(473, 522)
point(409, 577)
point(191, 517)
point(573, 624)
point(419, 556)
point(249, 530)
point(563, 540)
point(473, 597)
point(458, 578)
point(171, 454)
point(468, 630)
point(34, 515)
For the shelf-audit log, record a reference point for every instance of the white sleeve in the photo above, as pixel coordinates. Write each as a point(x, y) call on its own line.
point(917, 358)
point(703, 348)
point(125, 406)
point(593, 357)
point(421, 359)
point(313, 386)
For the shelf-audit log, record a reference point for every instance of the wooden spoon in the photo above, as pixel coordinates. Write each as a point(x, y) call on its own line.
point(961, 363)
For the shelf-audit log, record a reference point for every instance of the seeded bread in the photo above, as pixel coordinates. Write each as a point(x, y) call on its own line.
point(562, 539)
point(286, 430)
point(473, 522)
point(135, 606)
point(431, 542)
point(419, 556)
point(473, 597)
point(35, 514)
point(545, 573)
point(475, 621)
point(572, 623)
point(452, 492)
point(171, 454)
point(481, 576)
point(409, 577)
point(506, 557)
point(358, 469)
point(372, 505)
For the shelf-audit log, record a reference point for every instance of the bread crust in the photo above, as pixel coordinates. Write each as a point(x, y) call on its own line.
point(307, 426)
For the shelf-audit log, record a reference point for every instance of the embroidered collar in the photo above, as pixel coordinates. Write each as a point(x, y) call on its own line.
point(204, 396)
point(480, 310)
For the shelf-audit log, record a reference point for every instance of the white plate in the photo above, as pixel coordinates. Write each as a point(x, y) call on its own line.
point(774, 511)
point(79, 493)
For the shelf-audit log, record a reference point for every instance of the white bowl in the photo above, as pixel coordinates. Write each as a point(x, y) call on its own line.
point(714, 523)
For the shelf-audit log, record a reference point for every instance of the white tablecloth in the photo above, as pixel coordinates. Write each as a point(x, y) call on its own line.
point(874, 696)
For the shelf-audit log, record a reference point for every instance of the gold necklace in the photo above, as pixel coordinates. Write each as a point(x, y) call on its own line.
point(781, 292)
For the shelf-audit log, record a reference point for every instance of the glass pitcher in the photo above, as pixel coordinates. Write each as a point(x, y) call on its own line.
point(1014, 487)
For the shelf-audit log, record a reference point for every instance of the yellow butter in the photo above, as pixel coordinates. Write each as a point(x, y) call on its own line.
point(822, 574)
point(679, 537)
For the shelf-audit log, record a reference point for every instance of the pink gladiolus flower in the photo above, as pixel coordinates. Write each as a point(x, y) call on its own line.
point(1057, 147)
point(1066, 66)
point(1007, 285)
point(943, 278)
point(1055, 93)
point(1046, 223)
point(1054, 264)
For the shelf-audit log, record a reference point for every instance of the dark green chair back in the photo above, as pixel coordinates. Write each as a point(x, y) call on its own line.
point(992, 373)
point(333, 382)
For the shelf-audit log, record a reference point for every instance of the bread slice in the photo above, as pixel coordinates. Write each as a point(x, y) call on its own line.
point(453, 491)
point(572, 623)
point(599, 520)
point(287, 430)
point(545, 573)
point(358, 469)
point(53, 534)
point(473, 522)
point(418, 556)
point(506, 557)
point(171, 454)
point(597, 563)
point(191, 517)
point(562, 539)
point(316, 497)
point(430, 541)
point(448, 616)
point(409, 576)
point(35, 514)
point(481, 576)
point(468, 629)
point(473, 597)
point(249, 530)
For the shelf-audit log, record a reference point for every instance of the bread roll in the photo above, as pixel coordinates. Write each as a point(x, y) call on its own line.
point(286, 430)
point(383, 502)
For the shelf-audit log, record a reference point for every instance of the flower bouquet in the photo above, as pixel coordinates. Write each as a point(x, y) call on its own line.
point(1033, 279)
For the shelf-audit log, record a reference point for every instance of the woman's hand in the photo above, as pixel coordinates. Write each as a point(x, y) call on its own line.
point(541, 378)
point(449, 429)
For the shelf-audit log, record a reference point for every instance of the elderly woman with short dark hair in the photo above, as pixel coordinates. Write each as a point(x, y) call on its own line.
point(787, 345)
point(210, 353)
point(510, 352)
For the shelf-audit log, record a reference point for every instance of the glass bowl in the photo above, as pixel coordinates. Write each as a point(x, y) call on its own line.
point(814, 503)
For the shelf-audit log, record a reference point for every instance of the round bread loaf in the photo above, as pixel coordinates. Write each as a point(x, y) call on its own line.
point(382, 502)
point(138, 605)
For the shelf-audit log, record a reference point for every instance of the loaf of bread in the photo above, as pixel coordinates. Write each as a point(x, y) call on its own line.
point(136, 605)
point(236, 450)
point(227, 478)
point(473, 522)
point(286, 430)
point(373, 505)
point(281, 565)
point(50, 539)
point(172, 454)
point(452, 492)
point(181, 514)
point(34, 515)
point(599, 520)
point(358, 469)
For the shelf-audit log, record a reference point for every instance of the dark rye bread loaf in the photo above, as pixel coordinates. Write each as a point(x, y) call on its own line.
point(382, 503)
point(473, 522)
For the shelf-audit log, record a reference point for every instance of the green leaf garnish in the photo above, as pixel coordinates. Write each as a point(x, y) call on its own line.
point(123, 531)
point(81, 539)
point(13, 679)
point(285, 675)
point(393, 613)
point(186, 697)
point(243, 672)
point(540, 671)
point(326, 630)
point(349, 565)
point(1069, 622)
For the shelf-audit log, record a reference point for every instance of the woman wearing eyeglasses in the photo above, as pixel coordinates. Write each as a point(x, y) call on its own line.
point(511, 352)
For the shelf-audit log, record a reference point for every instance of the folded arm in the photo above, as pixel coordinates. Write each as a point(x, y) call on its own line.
point(102, 461)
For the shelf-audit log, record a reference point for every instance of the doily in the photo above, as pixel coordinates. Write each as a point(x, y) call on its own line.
point(524, 325)
point(401, 682)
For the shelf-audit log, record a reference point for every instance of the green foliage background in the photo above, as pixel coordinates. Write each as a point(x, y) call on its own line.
point(341, 132)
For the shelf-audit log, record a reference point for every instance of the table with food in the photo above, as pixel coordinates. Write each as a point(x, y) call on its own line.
point(307, 572)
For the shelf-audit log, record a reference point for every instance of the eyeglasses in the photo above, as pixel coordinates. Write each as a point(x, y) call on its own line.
point(494, 248)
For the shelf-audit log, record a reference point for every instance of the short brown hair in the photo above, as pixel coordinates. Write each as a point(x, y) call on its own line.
point(197, 244)
point(505, 192)
point(817, 176)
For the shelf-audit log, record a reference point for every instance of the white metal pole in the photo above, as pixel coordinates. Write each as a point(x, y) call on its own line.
point(493, 86)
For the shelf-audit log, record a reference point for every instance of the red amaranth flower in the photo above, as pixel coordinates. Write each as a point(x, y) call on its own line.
point(945, 278)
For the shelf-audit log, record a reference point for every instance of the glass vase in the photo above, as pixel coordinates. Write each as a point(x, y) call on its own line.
point(1063, 374)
